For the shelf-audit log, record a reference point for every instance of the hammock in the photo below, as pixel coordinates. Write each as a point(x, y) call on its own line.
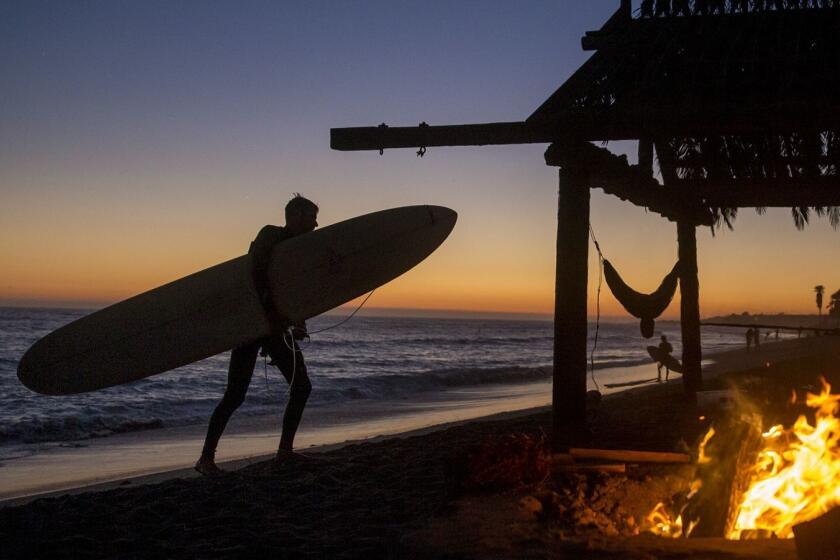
point(646, 307)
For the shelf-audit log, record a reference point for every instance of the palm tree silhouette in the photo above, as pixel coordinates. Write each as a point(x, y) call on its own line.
point(834, 304)
point(819, 290)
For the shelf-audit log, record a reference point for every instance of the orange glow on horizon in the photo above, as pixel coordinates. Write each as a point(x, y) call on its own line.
point(494, 261)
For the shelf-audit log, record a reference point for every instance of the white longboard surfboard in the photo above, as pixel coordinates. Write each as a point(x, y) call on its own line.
point(217, 309)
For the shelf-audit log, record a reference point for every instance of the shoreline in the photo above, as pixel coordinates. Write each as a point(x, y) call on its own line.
point(232, 465)
point(394, 496)
point(152, 456)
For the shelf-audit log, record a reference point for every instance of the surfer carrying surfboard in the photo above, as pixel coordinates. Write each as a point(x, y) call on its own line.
point(281, 345)
point(665, 350)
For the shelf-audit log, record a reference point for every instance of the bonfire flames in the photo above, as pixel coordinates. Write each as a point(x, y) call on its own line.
point(794, 478)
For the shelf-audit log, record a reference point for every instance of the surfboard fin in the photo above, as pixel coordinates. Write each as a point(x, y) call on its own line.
point(646, 307)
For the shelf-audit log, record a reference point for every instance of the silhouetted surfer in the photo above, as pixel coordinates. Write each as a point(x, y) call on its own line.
point(665, 350)
point(301, 217)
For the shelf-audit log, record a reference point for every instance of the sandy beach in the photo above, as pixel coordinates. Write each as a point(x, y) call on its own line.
point(400, 496)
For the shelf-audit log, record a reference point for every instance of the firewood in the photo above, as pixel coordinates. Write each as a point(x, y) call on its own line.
point(627, 456)
point(561, 459)
point(584, 468)
point(733, 449)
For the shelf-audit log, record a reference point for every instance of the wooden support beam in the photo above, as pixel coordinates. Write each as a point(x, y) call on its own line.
point(610, 124)
point(615, 176)
point(684, 118)
point(698, 161)
point(570, 320)
point(384, 137)
point(689, 309)
point(689, 286)
point(779, 193)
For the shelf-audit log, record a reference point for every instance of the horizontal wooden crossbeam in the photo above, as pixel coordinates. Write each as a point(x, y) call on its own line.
point(384, 137)
point(747, 193)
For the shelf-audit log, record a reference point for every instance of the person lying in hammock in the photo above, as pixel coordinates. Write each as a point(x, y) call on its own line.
point(665, 349)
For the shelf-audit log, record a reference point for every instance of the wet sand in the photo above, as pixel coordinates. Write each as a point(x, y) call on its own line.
point(171, 452)
point(394, 498)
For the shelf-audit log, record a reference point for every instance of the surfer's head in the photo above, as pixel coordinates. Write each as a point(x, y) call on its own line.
point(301, 215)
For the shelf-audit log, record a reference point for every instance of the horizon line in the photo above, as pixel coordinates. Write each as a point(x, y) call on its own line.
point(417, 312)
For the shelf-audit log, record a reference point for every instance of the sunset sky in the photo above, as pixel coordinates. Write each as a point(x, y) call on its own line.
point(143, 141)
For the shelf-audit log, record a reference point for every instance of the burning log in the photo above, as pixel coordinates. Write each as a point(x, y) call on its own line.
point(711, 509)
point(819, 539)
point(795, 477)
point(763, 484)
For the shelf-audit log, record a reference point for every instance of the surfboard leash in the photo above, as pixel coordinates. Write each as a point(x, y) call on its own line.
point(345, 319)
point(288, 331)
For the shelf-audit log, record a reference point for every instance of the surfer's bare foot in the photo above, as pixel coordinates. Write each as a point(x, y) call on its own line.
point(207, 467)
point(289, 457)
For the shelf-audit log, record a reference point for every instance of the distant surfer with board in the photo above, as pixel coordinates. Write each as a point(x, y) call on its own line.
point(665, 350)
point(281, 346)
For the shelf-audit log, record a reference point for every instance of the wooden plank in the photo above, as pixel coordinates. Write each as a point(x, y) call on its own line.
point(629, 456)
point(615, 468)
point(385, 137)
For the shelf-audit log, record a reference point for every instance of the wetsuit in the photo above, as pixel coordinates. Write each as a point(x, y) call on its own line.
point(665, 349)
point(244, 358)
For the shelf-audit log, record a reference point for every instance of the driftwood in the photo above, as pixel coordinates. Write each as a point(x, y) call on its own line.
point(626, 456)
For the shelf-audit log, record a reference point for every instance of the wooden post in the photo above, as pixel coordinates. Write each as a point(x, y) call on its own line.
point(689, 309)
point(689, 283)
point(569, 387)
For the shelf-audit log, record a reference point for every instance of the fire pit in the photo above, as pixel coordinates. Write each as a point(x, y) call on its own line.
point(756, 481)
point(755, 474)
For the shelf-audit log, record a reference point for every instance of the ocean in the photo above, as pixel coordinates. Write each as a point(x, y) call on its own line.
point(369, 358)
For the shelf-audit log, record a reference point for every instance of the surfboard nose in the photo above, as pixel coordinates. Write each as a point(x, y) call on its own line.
point(443, 215)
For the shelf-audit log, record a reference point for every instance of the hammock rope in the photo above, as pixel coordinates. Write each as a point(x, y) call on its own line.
point(597, 307)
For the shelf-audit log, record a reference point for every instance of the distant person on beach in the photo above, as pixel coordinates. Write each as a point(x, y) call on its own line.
point(749, 339)
point(757, 337)
point(280, 345)
point(665, 349)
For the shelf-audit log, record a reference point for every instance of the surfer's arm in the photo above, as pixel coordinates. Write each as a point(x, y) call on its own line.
point(299, 331)
point(260, 252)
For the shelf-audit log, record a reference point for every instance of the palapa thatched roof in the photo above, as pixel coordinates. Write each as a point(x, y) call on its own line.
point(743, 103)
